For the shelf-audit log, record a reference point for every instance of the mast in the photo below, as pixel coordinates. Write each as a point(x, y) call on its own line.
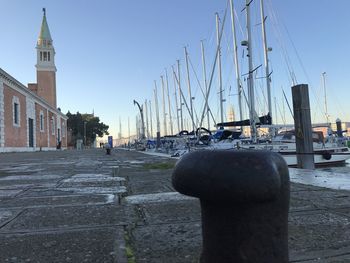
point(143, 135)
point(176, 101)
point(219, 68)
point(189, 90)
point(180, 99)
point(137, 128)
point(164, 111)
point(325, 96)
point(239, 87)
point(250, 76)
point(157, 108)
point(266, 59)
point(169, 106)
point(276, 122)
point(184, 100)
point(212, 73)
point(146, 113)
point(150, 117)
point(205, 84)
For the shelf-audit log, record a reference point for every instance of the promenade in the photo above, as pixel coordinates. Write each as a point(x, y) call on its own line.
point(86, 206)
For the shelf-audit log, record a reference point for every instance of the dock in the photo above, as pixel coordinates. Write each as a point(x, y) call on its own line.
point(86, 206)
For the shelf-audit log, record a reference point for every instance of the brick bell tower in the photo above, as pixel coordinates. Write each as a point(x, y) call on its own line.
point(45, 66)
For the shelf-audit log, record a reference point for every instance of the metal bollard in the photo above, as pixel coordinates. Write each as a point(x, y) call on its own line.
point(244, 198)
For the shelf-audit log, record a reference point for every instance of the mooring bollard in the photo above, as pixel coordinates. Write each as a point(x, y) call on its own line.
point(244, 198)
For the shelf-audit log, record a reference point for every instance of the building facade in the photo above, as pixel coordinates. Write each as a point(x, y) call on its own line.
point(29, 117)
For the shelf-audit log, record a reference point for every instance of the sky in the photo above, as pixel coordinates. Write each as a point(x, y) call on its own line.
point(110, 52)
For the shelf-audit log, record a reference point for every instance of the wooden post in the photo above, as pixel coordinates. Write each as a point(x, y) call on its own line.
point(303, 129)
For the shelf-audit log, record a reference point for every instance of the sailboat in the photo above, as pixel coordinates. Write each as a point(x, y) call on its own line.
point(324, 152)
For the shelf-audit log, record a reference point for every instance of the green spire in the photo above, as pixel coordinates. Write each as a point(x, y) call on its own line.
point(44, 31)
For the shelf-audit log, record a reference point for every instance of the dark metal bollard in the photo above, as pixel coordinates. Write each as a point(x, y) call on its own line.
point(244, 198)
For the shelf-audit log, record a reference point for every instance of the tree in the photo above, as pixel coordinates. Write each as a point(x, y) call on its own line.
point(88, 125)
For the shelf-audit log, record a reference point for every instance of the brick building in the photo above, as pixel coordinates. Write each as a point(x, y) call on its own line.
point(29, 118)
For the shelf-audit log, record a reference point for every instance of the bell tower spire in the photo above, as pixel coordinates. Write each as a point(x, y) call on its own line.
point(45, 66)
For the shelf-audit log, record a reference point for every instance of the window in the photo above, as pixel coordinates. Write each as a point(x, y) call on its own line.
point(45, 56)
point(41, 56)
point(48, 56)
point(41, 121)
point(16, 109)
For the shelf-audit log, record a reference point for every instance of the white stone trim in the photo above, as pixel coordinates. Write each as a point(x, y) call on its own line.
point(15, 99)
point(53, 125)
point(48, 127)
point(31, 114)
point(2, 115)
point(27, 149)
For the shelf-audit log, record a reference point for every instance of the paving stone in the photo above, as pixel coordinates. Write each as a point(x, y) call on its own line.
point(87, 245)
point(60, 200)
point(167, 242)
point(67, 217)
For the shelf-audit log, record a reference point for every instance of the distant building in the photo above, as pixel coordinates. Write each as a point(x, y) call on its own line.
point(29, 118)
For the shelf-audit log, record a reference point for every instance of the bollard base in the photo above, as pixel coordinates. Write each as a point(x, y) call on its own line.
point(244, 233)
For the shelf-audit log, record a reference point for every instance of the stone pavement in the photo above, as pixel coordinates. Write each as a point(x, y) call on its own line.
point(77, 206)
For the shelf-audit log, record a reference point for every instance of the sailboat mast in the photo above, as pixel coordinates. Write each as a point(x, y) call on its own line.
point(169, 105)
point(189, 90)
point(146, 113)
point(250, 76)
point(219, 68)
point(164, 111)
point(235, 48)
point(325, 96)
point(157, 107)
point(205, 84)
point(181, 103)
point(176, 101)
point(266, 59)
point(150, 117)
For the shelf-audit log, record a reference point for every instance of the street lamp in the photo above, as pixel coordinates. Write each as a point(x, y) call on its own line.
point(142, 121)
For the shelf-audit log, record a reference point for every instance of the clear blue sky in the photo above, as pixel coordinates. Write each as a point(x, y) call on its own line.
point(110, 52)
